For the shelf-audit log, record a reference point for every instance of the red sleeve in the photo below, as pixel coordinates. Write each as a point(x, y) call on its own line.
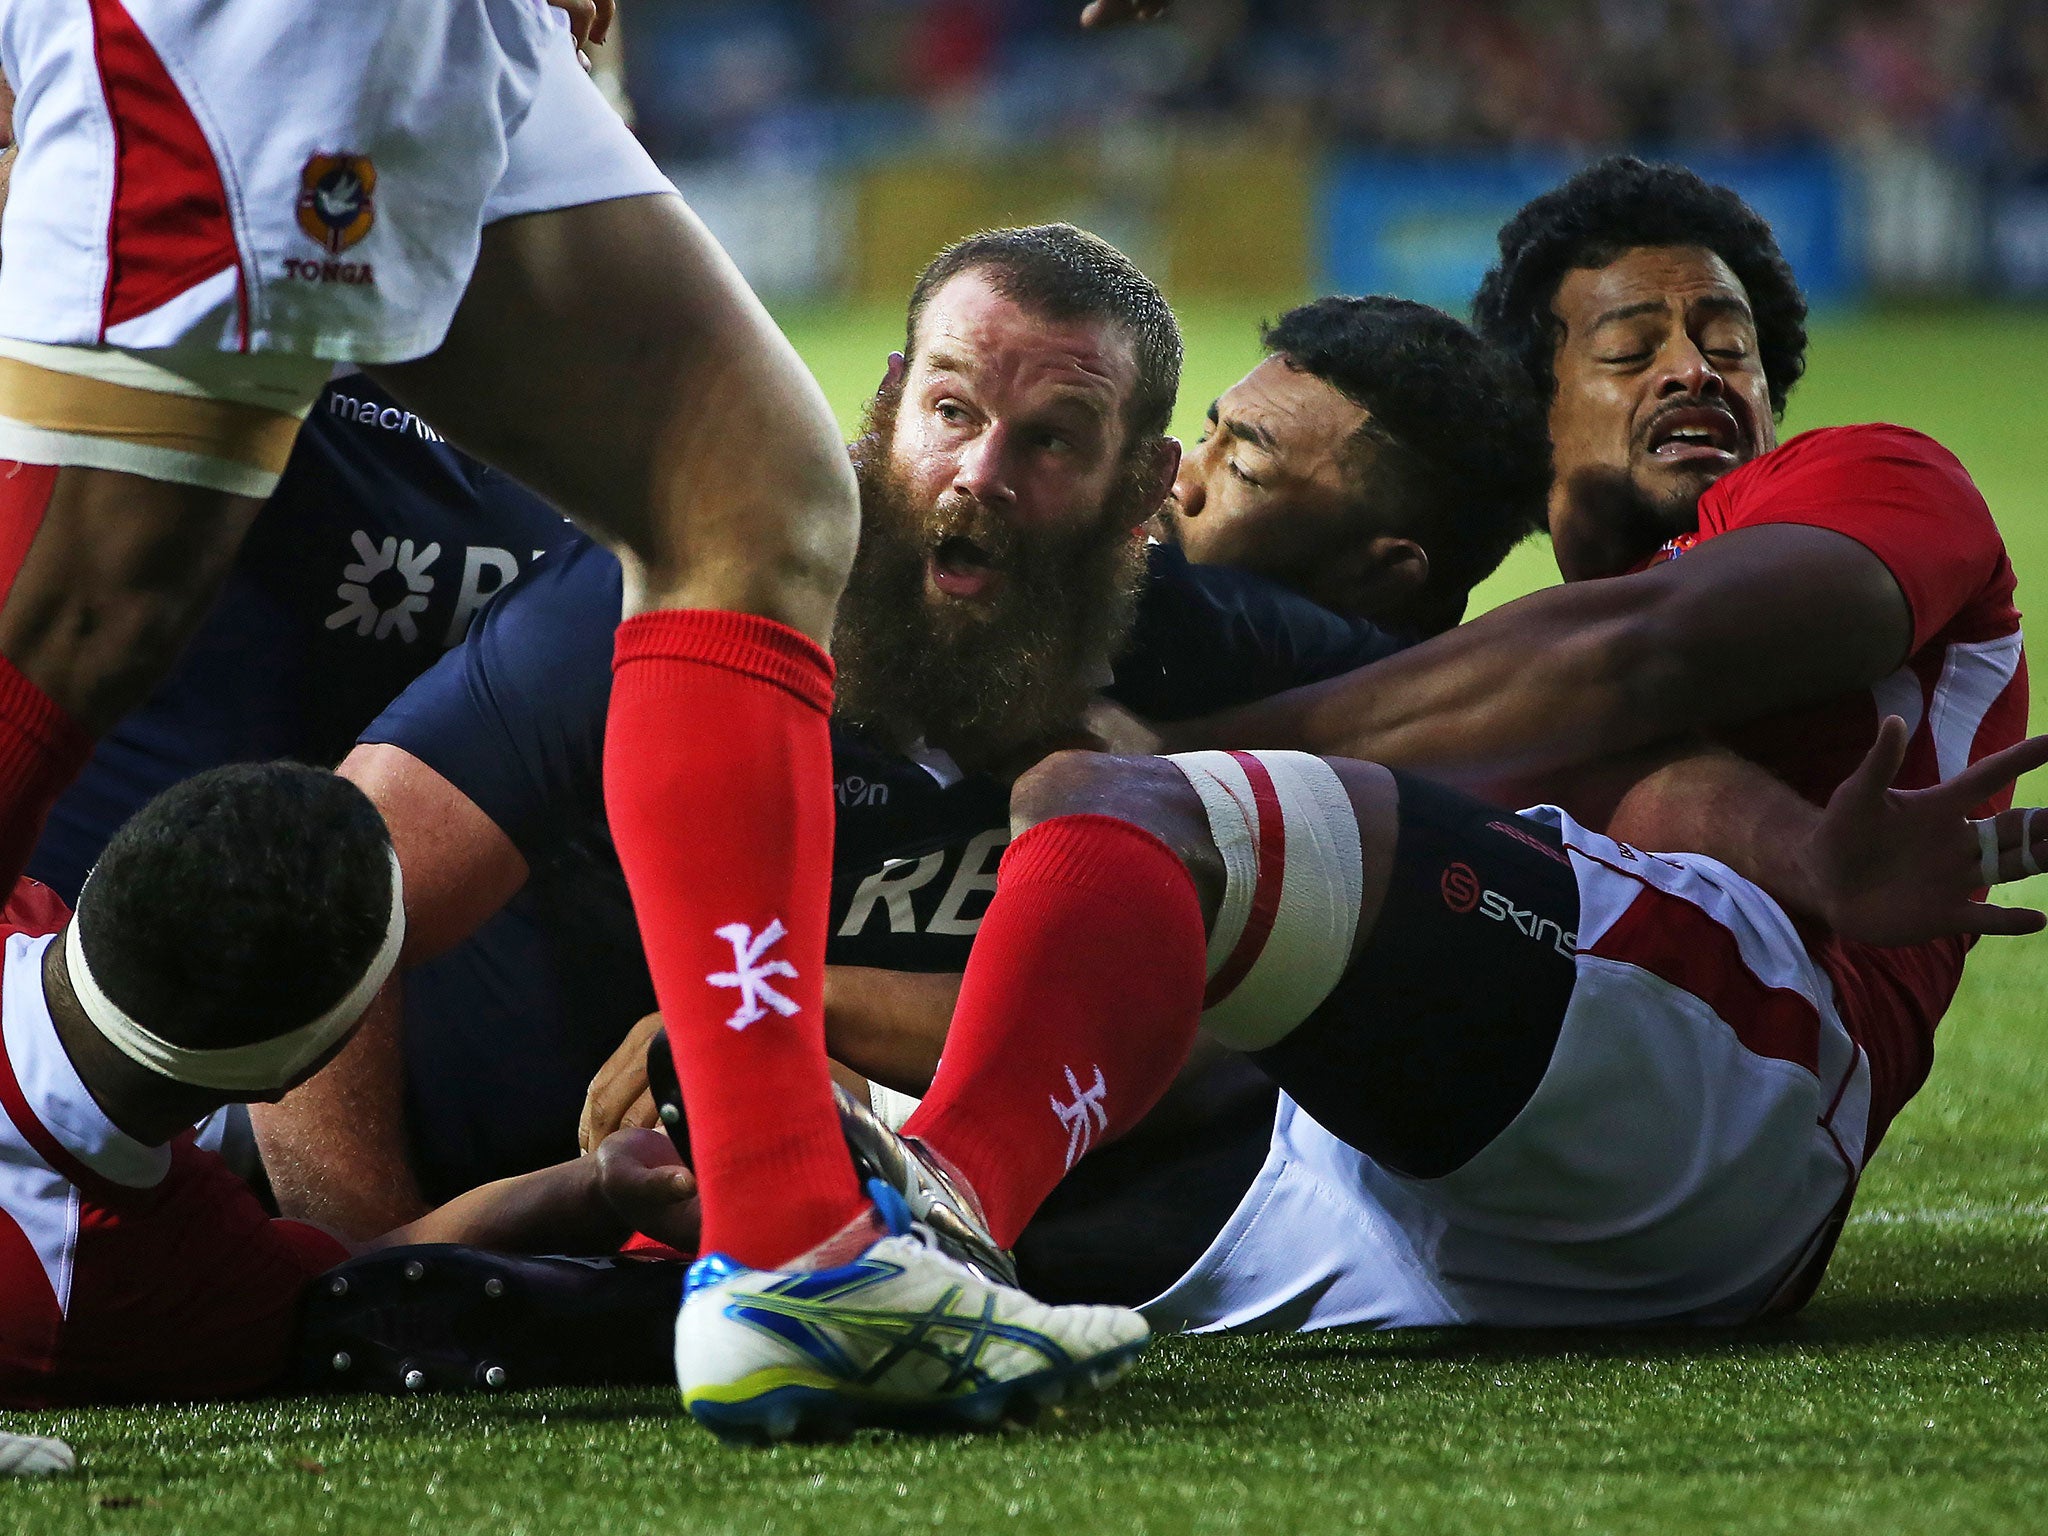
point(33, 908)
point(190, 1291)
point(1897, 492)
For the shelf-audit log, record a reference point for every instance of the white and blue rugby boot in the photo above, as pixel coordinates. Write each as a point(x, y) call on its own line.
point(903, 1337)
point(937, 1196)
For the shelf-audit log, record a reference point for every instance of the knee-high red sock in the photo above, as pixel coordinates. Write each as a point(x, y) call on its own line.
point(1082, 995)
point(42, 748)
point(718, 786)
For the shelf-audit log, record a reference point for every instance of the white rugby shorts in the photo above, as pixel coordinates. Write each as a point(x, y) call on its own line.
point(1701, 1119)
point(305, 177)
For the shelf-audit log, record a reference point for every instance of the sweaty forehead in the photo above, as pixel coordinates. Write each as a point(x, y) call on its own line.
point(1296, 412)
point(970, 326)
point(1650, 279)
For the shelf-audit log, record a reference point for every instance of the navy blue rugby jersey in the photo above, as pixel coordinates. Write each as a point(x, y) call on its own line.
point(504, 1032)
point(380, 545)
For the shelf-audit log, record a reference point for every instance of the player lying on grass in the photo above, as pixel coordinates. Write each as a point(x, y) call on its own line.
point(488, 770)
point(164, 337)
point(222, 950)
point(1532, 1075)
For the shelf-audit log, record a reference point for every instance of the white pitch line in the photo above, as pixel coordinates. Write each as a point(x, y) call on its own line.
point(1949, 1216)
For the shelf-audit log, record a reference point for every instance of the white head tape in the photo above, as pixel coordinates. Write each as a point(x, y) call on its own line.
point(259, 1067)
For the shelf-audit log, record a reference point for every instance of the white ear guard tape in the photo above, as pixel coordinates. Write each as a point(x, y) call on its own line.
point(261, 1066)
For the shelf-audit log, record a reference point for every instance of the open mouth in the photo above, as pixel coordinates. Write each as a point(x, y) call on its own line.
point(1692, 433)
point(960, 567)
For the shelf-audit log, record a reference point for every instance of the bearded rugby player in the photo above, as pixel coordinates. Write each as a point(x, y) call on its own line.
point(497, 752)
point(446, 198)
point(1531, 1074)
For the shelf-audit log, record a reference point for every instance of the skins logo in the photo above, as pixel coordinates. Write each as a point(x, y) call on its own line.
point(1463, 893)
point(336, 200)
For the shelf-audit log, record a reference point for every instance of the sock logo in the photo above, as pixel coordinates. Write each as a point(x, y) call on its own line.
point(750, 973)
point(1085, 1116)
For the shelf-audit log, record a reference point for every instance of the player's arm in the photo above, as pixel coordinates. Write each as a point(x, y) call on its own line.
point(633, 1181)
point(1876, 864)
point(1760, 619)
point(881, 1026)
point(889, 1026)
point(335, 1148)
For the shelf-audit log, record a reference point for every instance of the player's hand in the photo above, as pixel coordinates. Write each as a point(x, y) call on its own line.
point(618, 1097)
point(1112, 13)
point(589, 20)
point(1902, 866)
point(643, 1180)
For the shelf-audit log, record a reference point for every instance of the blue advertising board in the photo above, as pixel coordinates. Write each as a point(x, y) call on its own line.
point(1425, 227)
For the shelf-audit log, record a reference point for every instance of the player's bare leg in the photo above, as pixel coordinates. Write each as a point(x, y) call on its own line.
point(1087, 979)
point(104, 576)
point(612, 358)
point(117, 576)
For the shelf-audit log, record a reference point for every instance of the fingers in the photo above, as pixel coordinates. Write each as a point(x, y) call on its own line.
point(638, 1171)
point(601, 25)
point(1993, 921)
point(1881, 764)
point(1988, 775)
point(582, 16)
point(2014, 844)
point(616, 1095)
point(643, 1115)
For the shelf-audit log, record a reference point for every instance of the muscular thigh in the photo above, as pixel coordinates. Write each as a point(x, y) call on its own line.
point(611, 357)
point(1446, 1019)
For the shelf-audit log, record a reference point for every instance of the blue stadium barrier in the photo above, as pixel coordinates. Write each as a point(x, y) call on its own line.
point(1424, 227)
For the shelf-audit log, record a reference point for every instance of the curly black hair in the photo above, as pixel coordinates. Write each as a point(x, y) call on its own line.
point(1617, 205)
point(1459, 448)
point(240, 904)
point(1064, 273)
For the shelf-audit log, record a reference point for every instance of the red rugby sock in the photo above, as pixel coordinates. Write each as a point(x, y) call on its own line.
point(1082, 995)
point(42, 748)
point(718, 785)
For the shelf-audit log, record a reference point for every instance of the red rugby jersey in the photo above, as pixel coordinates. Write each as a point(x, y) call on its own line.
point(127, 1272)
point(1963, 688)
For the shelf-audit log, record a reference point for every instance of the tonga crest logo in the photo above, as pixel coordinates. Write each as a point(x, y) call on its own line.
point(336, 200)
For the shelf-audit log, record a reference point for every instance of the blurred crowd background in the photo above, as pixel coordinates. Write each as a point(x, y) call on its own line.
point(1905, 141)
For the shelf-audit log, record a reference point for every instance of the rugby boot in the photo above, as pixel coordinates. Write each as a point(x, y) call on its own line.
point(936, 1195)
point(934, 1191)
point(440, 1318)
point(901, 1337)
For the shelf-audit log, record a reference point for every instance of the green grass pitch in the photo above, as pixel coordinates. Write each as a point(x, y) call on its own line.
point(1912, 1396)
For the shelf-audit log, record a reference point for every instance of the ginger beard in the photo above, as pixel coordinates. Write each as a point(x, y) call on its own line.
point(980, 679)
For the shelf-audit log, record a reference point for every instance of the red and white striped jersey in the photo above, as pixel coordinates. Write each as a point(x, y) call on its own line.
point(1962, 690)
point(127, 1272)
